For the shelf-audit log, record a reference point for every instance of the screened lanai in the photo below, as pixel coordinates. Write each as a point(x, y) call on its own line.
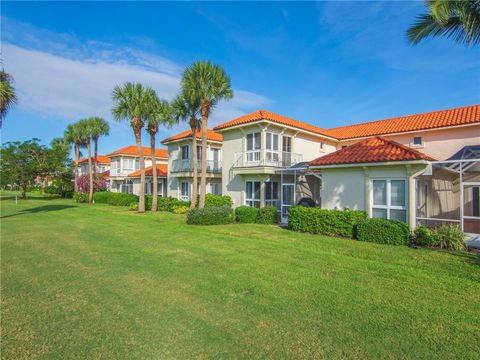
point(449, 192)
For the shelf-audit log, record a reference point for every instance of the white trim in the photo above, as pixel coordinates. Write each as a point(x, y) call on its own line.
point(388, 192)
point(385, 163)
point(190, 140)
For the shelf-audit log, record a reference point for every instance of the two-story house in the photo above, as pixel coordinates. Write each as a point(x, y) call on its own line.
point(180, 165)
point(103, 165)
point(125, 162)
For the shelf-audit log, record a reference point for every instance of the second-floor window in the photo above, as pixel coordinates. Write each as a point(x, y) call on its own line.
point(254, 144)
point(272, 147)
point(130, 165)
point(185, 152)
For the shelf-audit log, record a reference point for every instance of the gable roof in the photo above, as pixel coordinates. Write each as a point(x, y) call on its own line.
point(162, 171)
point(376, 149)
point(260, 115)
point(430, 120)
point(132, 150)
point(211, 135)
point(101, 159)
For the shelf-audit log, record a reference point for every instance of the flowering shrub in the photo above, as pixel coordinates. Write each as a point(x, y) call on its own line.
point(83, 183)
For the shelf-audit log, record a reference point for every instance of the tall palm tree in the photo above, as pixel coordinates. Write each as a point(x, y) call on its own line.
point(7, 94)
point(99, 128)
point(131, 103)
point(457, 19)
point(86, 126)
point(186, 109)
point(159, 114)
point(207, 83)
point(74, 136)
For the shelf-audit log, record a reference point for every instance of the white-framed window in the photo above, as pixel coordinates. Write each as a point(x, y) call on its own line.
point(159, 187)
point(271, 152)
point(271, 193)
point(185, 152)
point(389, 199)
point(252, 193)
point(185, 190)
point(417, 141)
point(199, 153)
point(215, 189)
point(254, 144)
point(130, 165)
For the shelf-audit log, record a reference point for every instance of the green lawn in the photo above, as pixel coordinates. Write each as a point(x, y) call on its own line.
point(93, 281)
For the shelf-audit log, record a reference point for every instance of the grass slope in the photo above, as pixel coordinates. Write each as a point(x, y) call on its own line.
point(91, 281)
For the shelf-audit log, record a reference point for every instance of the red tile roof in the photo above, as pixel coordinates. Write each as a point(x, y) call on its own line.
point(162, 171)
point(430, 120)
point(101, 160)
point(376, 149)
point(267, 115)
point(211, 135)
point(132, 150)
point(106, 174)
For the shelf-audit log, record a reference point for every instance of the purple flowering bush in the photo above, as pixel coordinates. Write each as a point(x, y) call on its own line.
point(99, 183)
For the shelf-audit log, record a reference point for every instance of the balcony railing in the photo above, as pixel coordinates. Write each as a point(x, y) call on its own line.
point(121, 172)
point(187, 166)
point(266, 158)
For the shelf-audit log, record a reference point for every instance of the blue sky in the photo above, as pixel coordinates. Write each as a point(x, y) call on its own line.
point(327, 63)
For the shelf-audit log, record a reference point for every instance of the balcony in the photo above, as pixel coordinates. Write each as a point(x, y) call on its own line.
point(268, 158)
point(213, 166)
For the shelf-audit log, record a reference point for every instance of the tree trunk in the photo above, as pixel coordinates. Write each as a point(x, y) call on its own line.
point(95, 154)
point(90, 175)
point(24, 190)
point(154, 172)
point(77, 156)
point(138, 139)
point(203, 178)
point(193, 202)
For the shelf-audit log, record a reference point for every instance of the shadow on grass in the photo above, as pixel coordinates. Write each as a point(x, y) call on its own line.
point(39, 209)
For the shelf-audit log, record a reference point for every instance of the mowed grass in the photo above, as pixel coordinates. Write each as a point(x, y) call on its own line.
point(93, 281)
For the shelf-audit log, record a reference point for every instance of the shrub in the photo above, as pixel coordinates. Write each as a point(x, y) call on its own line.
point(216, 200)
point(133, 206)
point(267, 215)
point(383, 231)
point(180, 209)
point(99, 183)
point(450, 237)
point(323, 221)
point(210, 215)
point(165, 203)
point(424, 236)
point(246, 214)
point(80, 197)
point(115, 199)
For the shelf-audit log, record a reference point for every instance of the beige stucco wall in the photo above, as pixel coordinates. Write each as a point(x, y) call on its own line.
point(440, 144)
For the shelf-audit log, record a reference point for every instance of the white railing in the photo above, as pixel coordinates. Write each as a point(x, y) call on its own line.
point(266, 158)
point(187, 165)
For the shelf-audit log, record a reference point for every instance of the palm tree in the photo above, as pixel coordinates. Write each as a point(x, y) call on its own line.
point(7, 94)
point(99, 128)
point(186, 109)
point(86, 127)
point(131, 103)
point(458, 19)
point(206, 83)
point(159, 113)
point(74, 136)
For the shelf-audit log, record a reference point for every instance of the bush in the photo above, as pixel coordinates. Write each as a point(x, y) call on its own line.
point(165, 203)
point(115, 199)
point(99, 183)
point(424, 236)
point(180, 209)
point(267, 215)
point(383, 231)
point(323, 221)
point(210, 215)
point(80, 197)
point(450, 237)
point(216, 200)
point(246, 214)
point(133, 206)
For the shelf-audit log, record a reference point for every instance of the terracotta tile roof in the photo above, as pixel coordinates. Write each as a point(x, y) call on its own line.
point(211, 135)
point(162, 171)
point(132, 150)
point(101, 160)
point(267, 115)
point(376, 149)
point(106, 174)
point(435, 119)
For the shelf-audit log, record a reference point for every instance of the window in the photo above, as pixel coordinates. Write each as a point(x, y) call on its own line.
point(272, 147)
point(185, 191)
point(389, 199)
point(215, 188)
point(252, 194)
point(417, 141)
point(199, 153)
point(271, 193)
point(214, 163)
point(254, 144)
point(185, 152)
point(159, 188)
point(286, 150)
point(129, 165)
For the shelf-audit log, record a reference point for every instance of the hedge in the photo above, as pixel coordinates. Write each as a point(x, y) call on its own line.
point(165, 203)
point(210, 215)
point(246, 214)
point(324, 221)
point(116, 199)
point(383, 231)
point(217, 200)
point(267, 215)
